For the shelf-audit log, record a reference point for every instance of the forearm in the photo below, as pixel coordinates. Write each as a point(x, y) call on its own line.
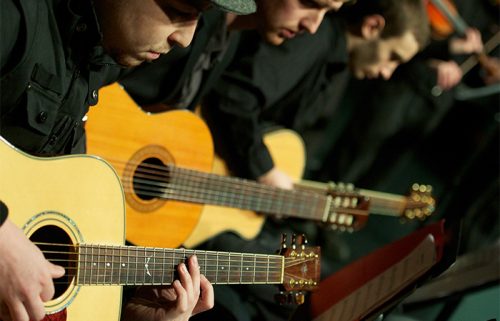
point(237, 135)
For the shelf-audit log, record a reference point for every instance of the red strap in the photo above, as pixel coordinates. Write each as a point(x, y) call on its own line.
point(59, 316)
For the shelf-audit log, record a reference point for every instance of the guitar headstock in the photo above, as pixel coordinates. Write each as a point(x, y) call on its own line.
point(420, 203)
point(348, 210)
point(301, 271)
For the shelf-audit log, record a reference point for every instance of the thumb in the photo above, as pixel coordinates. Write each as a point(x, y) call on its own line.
point(56, 271)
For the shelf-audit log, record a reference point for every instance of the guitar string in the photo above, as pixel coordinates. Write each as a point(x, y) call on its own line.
point(195, 175)
point(151, 252)
point(260, 263)
point(228, 184)
point(264, 266)
point(305, 199)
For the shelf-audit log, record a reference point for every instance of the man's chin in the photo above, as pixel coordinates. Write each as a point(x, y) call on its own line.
point(273, 39)
point(128, 61)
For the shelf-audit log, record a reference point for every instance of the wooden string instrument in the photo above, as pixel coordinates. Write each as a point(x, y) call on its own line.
point(445, 21)
point(73, 208)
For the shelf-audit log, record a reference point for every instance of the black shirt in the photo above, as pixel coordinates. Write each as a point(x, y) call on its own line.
point(285, 84)
point(52, 66)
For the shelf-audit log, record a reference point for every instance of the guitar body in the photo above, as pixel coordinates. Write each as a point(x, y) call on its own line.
point(120, 132)
point(288, 153)
point(43, 193)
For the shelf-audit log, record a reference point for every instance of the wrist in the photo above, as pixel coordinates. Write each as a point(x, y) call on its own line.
point(4, 213)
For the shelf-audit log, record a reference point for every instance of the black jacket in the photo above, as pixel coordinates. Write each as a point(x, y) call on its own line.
point(51, 68)
point(286, 85)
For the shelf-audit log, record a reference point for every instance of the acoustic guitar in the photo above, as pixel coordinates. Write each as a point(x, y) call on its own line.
point(163, 160)
point(73, 208)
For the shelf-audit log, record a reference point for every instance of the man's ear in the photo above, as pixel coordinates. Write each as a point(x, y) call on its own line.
point(372, 26)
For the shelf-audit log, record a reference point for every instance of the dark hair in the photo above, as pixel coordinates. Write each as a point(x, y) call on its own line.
point(400, 16)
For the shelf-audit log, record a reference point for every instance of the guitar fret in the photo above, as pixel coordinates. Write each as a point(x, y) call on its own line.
point(163, 268)
point(267, 273)
point(254, 266)
point(109, 263)
point(217, 269)
point(246, 274)
point(94, 267)
point(107, 266)
point(155, 268)
point(118, 280)
point(103, 265)
point(81, 265)
point(136, 266)
point(235, 269)
point(206, 263)
point(241, 268)
point(229, 268)
point(98, 264)
point(128, 266)
point(173, 267)
point(145, 266)
point(91, 263)
point(121, 265)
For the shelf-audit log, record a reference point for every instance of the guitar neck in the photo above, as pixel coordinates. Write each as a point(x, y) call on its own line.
point(385, 203)
point(380, 203)
point(126, 265)
point(199, 187)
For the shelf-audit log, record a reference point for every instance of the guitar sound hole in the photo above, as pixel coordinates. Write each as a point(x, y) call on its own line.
point(57, 247)
point(151, 179)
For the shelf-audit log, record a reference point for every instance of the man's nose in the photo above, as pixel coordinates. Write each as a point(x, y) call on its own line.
point(183, 36)
point(311, 22)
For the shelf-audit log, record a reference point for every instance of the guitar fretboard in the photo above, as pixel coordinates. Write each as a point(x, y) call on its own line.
point(125, 265)
point(193, 186)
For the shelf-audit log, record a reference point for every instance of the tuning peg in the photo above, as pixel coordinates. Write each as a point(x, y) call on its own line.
point(281, 298)
point(350, 187)
point(415, 187)
point(294, 241)
point(298, 298)
point(303, 241)
point(410, 214)
point(332, 186)
point(290, 297)
point(283, 241)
